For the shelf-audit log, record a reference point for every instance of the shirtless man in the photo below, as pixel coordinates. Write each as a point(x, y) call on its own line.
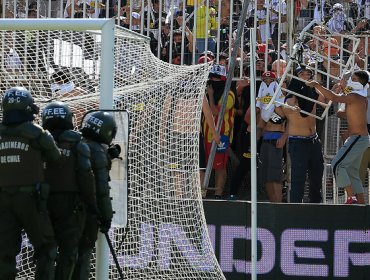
point(178, 134)
point(304, 144)
point(331, 61)
point(63, 88)
point(346, 162)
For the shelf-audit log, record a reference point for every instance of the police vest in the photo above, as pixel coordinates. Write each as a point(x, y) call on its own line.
point(20, 163)
point(62, 178)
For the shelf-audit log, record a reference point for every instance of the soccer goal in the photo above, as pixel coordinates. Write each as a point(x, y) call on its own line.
point(159, 229)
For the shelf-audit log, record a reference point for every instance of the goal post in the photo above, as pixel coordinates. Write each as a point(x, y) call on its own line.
point(106, 26)
point(92, 64)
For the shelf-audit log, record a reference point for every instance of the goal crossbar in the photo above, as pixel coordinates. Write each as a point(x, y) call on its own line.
point(56, 24)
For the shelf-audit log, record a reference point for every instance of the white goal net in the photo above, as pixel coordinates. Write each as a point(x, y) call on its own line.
point(159, 230)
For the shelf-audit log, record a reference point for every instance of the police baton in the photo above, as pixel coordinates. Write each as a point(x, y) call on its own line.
point(114, 255)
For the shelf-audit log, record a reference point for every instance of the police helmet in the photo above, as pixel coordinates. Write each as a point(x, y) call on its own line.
point(57, 115)
point(99, 126)
point(18, 106)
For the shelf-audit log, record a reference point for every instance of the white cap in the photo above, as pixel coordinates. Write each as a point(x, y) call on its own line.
point(338, 6)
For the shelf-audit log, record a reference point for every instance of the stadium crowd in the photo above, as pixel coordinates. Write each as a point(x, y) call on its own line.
point(204, 31)
point(295, 88)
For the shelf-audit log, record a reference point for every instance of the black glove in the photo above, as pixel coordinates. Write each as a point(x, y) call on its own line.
point(105, 225)
point(92, 209)
point(114, 150)
point(276, 119)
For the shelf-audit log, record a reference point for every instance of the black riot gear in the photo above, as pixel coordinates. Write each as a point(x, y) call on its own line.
point(57, 115)
point(20, 152)
point(72, 186)
point(24, 148)
point(18, 106)
point(114, 151)
point(100, 126)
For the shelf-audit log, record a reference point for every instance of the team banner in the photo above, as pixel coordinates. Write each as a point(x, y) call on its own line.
point(295, 241)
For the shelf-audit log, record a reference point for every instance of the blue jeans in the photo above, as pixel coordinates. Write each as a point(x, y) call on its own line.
point(306, 159)
point(201, 46)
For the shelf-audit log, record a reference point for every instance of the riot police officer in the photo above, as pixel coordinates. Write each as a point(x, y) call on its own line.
point(98, 131)
point(71, 184)
point(24, 147)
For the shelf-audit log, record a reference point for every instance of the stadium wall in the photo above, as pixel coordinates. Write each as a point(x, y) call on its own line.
point(295, 241)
